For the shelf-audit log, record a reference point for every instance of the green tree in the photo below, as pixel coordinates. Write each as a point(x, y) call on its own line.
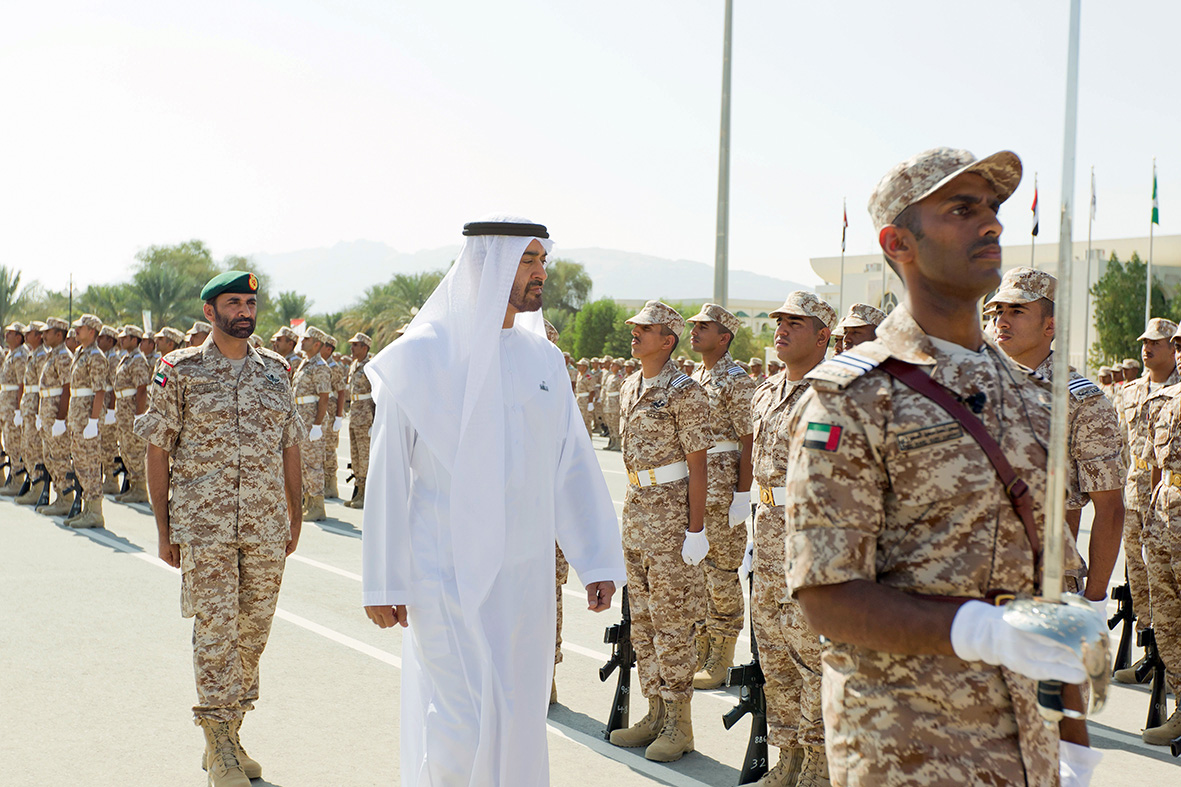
point(567, 289)
point(290, 305)
point(596, 327)
point(13, 300)
point(166, 293)
point(1119, 309)
point(113, 303)
point(387, 307)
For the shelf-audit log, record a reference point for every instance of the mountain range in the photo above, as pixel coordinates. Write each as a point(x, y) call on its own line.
point(334, 277)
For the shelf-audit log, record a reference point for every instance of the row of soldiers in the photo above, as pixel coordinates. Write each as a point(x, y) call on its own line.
point(70, 395)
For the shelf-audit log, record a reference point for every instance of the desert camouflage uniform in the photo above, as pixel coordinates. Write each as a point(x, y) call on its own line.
point(54, 375)
point(313, 379)
point(339, 381)
point(729, 391)
point(610, 396)
point(34, 450)
point(108, 434)
point(89, 371)
point(659, 425)
point(12, 377)
point(584, 386)
point(360, 418)
point(561, 574)
point(133, 371)
point(1139, 407)
point(788, 650)
point(227, 508)
point(883, 486)
point(1161, 537)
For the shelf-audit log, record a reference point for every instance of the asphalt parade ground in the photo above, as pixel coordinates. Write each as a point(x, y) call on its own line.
point(96, 682)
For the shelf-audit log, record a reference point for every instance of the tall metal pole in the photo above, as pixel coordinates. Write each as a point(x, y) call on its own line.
point(1087, 300)
point(721, 260)
point(1053, 542)
point(1033, 238)
point(1148, 283)
point(841, 298)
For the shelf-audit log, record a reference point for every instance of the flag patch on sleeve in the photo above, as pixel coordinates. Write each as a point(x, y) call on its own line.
point(160, 379)
point(822, 437)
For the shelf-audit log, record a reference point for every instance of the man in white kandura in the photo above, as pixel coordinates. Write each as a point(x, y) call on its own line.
point(479, 460)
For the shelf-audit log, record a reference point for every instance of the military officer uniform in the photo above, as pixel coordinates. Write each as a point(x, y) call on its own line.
point(610, 394)
point(131, 381)
point(584, 389)
point(336, 399)
point(361, 413)
point(312, 380)
point(33, 449)
point(108, 428)
point(12, 380)
point(55, 383)
point(89, 378)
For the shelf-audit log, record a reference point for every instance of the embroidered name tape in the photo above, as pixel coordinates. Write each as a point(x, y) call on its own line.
point(930, 435)
point(822, 437)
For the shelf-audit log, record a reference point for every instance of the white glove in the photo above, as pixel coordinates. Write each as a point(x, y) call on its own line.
point(16, 418)
point(109, 418)
point(1099, 606)
point(747, 561)
point(740, 508)
point(58, 429)
point(590, 407)
point(979, 633)
point(337, 423)
point(1076, 764)
point(315, 433)
point(37, 422)
point(696, 547)
point(91, 430)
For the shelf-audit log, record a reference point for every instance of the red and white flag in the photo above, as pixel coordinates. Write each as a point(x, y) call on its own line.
point(844, 226)
point(1034, 208)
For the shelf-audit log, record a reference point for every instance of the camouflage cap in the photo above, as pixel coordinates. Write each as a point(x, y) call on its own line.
point(807, 304)
point(711, 312)
point(861, 314)
point(1158, 328)
point(361, 338)
point(285, 332)
point(551, 332)
point(15, 326)
point(36, 326)
point(1024, 285)
point(200, 327)
point(755, 361)
point(57, 322)
point(330, 340)
point(659, 313)
point(89, 321)
point(171, 333)
point(1104, 370)
point(920, 176)
point(109, 331)
point(72, 334)
point(312, 332)
point(582, 362)
point(131, 330)
point(1132, 363)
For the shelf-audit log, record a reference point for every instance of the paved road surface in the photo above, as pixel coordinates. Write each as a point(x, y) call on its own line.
point(96, 682)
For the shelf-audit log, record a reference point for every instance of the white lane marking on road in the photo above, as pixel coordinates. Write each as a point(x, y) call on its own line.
point(325, 567)
point(343, 639)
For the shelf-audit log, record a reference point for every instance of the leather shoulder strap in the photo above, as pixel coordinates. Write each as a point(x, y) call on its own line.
point(1018, 491)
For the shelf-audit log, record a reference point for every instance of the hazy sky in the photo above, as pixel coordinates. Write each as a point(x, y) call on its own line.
point(273, 126)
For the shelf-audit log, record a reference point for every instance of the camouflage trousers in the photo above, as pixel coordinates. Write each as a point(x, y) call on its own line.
point(723, 597)
point(231, 591)
point(1137, 571)
point(312, 454)
point(666, 604)
point(12, 437)
point(331, 444)
point(588, 417)
point(1162, 549)
point(109, 435)
point(561, 574)
point(56, 450)
point(132, 447)
point(789, 653)
point(360, 422)
point(32, 452)
point(611, 417)
point(86, 453)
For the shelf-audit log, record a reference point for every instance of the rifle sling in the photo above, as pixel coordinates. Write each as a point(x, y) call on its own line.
point(1017, 490)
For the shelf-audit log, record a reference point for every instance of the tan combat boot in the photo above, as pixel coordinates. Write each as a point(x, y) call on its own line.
point(221, 756)
point(14, 486)
point(34, 494)
point(250, 766)
point(701, 643)
point(138, 493)
point(786, 772)
point(645, 730)
point(814, 771)
point(315, 512)
point(1164, 734)
point(1128, 674)
point(553, 692)
point(330, 487)
point(358, 500)
point(110, 484)
point(721, 659)
point(676, 737)
point(60, 505)
point(91, 516)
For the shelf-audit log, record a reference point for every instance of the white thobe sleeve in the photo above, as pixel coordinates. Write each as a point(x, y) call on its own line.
point(585, 521)
point(385, 533)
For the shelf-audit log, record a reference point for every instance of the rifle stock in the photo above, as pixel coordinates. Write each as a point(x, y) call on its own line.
point(751, 700)
point(623, 658)
point(1157, 702)
point(1126, 615)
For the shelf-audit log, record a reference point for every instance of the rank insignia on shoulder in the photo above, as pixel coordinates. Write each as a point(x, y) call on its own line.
point(543, 386)
point(822, 437)
point(841, 370)
point(735, 371)
point(1082, 388)
point(681, 380)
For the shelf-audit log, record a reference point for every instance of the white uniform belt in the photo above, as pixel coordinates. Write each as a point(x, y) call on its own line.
point(583, 395)
point(48, 392)
point(109, 388)
point(362, 397)
point(124, 393)
point(1170, 478)
point(79, 392)
point(32, 389)
point(307, 399)
point(772, 497)
point(8, 387)
point(722, 448)
point(613, 393)
point(659, 475)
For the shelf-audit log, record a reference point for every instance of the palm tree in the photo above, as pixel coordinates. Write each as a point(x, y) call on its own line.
point(165, 293)
point(13, 300)
point(290, 305)
point(387, 307)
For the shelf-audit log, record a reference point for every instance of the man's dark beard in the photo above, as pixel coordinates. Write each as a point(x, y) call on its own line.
point(240, 328)
point(522, 302)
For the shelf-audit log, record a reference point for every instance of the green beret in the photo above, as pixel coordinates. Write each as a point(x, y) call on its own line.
point(230, 281)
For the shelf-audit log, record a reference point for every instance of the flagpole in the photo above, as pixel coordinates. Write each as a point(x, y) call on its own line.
point(1087, 301)
point(1033, 235)
point(721, 249)
point(844, 226)
point(1148, 277)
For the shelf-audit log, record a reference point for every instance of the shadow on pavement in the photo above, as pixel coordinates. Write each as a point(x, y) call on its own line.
point(105, 539)
point(1107, 738)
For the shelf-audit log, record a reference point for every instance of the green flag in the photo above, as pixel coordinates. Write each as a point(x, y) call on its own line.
point(1155, 204)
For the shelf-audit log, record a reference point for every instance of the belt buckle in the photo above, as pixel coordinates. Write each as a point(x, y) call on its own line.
point(766, 497)
point(633, 478)
point(651, 477)
point(1000, 599)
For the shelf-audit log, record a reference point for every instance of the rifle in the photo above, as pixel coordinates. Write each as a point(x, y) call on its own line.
point(1125, 614)
point(623, 658)
point(75, 486)
point(121, 467)
point(752, 700)
point(1152, 662)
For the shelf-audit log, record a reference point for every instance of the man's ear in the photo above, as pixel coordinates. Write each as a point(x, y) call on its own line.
point(207, 310)
point(897, 243)
point(822, 337)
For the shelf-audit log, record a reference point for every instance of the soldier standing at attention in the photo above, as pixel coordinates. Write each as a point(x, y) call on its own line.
point(859, 326)
point(223, 469)
point(611, 386)
point(90, 376)
point(584, 392)
point(756, 370)
point(33, 452)
point(312, 387)
point(665, 430)
point(360, 416)
point(167, 340)
point(789, 651)
point(108, 431)
point(337, 398)
point(198, 333)
point(51, 414)
point(12, 382)
point(1105, 380)
point(131, 402)
point(727, 500)
point(901, 536)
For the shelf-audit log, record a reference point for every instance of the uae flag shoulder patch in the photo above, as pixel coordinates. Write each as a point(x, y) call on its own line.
point(822, 437)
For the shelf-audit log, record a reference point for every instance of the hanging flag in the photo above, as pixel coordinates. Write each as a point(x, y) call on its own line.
point(844, 226)
point(1034, 207)
point(1093, 205)
point(1155, 204)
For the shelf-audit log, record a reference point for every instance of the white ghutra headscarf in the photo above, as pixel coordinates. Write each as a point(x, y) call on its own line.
point(444, 373)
